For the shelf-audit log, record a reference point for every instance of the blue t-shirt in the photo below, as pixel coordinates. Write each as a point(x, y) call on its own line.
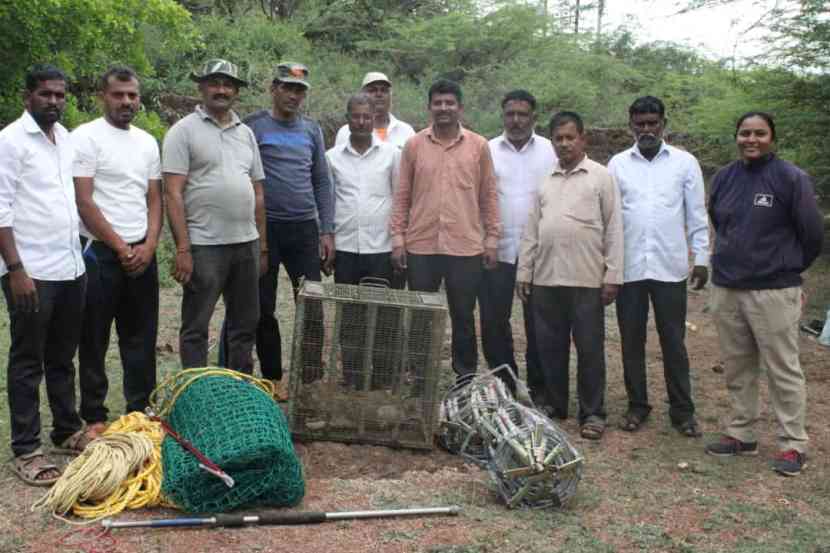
point(297, 182)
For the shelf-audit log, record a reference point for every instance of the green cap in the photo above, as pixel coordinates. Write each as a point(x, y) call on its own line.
point(292, 72)
point(218, 67)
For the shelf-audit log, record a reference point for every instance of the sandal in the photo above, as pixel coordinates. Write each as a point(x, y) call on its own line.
point(76, 443)
point(592, 429)
point(632, 421)
point(689, 428)
point(32, 466)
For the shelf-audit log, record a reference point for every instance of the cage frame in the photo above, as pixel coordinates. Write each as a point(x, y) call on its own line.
point(373, 296)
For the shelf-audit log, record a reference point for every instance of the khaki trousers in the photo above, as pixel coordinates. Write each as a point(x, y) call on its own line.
point(758, 330)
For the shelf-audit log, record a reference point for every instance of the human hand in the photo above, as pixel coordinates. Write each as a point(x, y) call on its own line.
point(183, 268)
point(699, 277)
point(491, 258)
point(399, 258)
point(523, 291)
point(24, 292)
point(609, 293)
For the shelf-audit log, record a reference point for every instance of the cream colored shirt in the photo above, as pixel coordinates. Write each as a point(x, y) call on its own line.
point(574, 232)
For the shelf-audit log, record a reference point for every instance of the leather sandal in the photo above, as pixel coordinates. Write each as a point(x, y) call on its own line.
point(689, 428)
point(592, 429)
point(31, 466)
point(632, 421)
point(76, 443)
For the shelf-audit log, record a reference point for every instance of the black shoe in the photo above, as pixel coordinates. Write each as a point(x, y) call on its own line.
point(729, 447)
point(789, 463)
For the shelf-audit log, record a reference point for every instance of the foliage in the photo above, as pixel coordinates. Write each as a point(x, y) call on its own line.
point(83, 37)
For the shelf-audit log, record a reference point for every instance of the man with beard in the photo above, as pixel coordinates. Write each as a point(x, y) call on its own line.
point(445, 223)
point(570, 263)
point(43, 276)
point(117, 173)
point(386, 127)
point(521, 159)
point(213, 191)
point(664, 216)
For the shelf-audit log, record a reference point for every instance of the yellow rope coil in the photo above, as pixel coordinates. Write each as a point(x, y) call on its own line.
point(120, 470)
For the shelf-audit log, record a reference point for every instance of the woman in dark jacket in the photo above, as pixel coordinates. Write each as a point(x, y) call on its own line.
point(768, 230)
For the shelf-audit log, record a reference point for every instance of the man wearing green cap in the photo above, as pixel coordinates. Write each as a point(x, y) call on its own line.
point(299, 211)
point(213, 189)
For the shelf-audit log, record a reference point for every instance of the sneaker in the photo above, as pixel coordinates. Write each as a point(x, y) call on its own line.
point(789, 463)
point(729, 447)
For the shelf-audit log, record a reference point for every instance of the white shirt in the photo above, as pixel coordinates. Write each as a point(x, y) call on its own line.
point(397, 133)
point(121, 162)
point(37, 200)
point(364, 185)
point(664, 213)
point(519, 174)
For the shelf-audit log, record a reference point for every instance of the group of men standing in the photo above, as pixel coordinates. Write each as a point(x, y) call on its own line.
point(520, 212)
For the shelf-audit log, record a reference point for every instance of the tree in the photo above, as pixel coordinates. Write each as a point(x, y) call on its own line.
point(83, 37)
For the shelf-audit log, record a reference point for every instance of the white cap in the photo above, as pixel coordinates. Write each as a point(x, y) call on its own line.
point(375, 77)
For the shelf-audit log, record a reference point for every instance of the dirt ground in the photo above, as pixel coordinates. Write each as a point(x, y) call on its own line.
point(649, 491)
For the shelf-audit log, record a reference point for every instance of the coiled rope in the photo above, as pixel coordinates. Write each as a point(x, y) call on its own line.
point(119, 470)
point(122, 469)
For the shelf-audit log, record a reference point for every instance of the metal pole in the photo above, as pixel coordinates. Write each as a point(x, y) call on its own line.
point(279, 518)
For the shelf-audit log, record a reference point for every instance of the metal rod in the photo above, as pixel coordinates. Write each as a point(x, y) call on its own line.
point(279, 518)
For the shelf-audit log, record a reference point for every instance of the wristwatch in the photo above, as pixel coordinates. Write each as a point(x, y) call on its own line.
point(16, 266)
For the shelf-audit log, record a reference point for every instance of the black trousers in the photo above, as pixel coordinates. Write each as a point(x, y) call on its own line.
point(559, 312)
point(133, 303)
point(387, 339)
point(669, 302)
point(462, 277)
point(495, 302)
point(297, 247)
point(231, 270)
point(43, 343)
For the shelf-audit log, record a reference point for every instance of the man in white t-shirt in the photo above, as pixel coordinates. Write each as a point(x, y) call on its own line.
point(387, 127)
point(117, 173)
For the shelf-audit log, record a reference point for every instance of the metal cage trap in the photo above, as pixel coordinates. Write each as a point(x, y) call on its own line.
point(365, 364)
point(529, 458)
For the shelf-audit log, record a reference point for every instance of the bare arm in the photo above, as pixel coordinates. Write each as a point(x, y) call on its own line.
point(174, 200)
point(144, 252)
point(24, 293)
point(259, 217)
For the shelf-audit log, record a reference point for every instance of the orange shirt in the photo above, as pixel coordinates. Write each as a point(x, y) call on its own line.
point(446, 201)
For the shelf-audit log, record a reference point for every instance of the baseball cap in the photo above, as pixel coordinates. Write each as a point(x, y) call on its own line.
point(375, 77)
point(292, 72)
point(218, 66)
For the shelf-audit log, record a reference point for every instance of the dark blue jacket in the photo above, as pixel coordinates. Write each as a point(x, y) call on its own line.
point(768, 228)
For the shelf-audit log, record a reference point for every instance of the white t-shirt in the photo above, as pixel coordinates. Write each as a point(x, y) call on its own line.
point(121, 162)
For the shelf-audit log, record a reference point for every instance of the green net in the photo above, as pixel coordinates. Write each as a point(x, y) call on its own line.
point(241, 429)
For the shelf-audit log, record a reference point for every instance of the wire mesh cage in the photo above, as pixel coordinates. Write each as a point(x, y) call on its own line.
point(532, 463)
point(365, 364)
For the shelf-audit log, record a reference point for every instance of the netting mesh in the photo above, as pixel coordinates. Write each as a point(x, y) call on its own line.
point(241, 429)
point(365, 364)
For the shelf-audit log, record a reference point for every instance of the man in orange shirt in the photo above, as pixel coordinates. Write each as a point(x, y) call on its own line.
point(445, 203)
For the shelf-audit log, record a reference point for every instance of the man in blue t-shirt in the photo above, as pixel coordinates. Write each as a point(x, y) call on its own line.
point(299, 210)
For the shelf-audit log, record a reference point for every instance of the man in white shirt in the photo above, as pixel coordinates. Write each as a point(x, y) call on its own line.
point(387, 127)
point(664, 217)
point(522, 159)
point(117, 174)
point(42, 273)
point(365, 174)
